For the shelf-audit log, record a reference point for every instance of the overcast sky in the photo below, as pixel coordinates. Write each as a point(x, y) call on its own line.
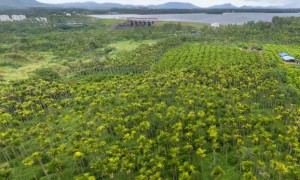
point(201, 3)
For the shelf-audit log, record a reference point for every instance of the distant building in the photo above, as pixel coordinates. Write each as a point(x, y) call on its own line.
point(12, 18)
point(41, 19)
point(193, 32)
point(112, 13)
point(215, 25)
point(18, 17)
point(4, 18)
point(283, 54)
point(287, 57)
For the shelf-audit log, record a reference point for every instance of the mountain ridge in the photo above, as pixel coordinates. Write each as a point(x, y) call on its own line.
point(223, 6)
point(21, 4)
point(93, 5)
point(174, 5)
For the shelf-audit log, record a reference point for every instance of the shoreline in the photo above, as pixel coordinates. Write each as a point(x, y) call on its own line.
point(202, 18)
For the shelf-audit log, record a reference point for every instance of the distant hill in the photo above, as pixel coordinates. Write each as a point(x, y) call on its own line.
point(4, 4)
point(93, 5)
point(223, 6)
point(21, 4)
point(174, 5)
point(18, 4)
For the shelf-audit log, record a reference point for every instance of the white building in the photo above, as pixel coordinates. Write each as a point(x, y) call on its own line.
point(215, 25)
point(18, 17)
point(41, 19)
point(45, 20)
point(5, 18)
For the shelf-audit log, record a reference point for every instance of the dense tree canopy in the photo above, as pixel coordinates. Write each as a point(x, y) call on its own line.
point(220, 104)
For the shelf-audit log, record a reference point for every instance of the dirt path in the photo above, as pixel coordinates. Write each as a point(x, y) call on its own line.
point(289, 62)
point(261, 54)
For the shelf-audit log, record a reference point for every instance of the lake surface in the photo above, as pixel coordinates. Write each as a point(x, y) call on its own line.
point(226, 18)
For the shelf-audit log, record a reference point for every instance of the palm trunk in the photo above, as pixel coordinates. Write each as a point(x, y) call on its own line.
point(44, 169)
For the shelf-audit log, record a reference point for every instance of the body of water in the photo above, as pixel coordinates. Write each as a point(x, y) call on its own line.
point(226, 18)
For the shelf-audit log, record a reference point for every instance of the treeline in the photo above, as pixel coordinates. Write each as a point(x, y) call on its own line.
point(44, 11)
point(185, 11)
point(47, 11)
point(282, 30)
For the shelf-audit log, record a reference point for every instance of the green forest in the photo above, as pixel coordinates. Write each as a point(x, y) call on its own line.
point(82, 100)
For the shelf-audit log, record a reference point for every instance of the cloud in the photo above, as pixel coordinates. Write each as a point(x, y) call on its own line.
point(291, 3)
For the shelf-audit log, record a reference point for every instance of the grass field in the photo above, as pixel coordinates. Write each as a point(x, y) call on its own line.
point(18, 66)
point(191, 24)
point(130, 45)
point(109, 22)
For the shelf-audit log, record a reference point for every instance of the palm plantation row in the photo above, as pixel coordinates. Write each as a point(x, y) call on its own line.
point(182, 108)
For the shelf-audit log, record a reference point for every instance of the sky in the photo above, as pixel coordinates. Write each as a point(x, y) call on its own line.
point(200, 3)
